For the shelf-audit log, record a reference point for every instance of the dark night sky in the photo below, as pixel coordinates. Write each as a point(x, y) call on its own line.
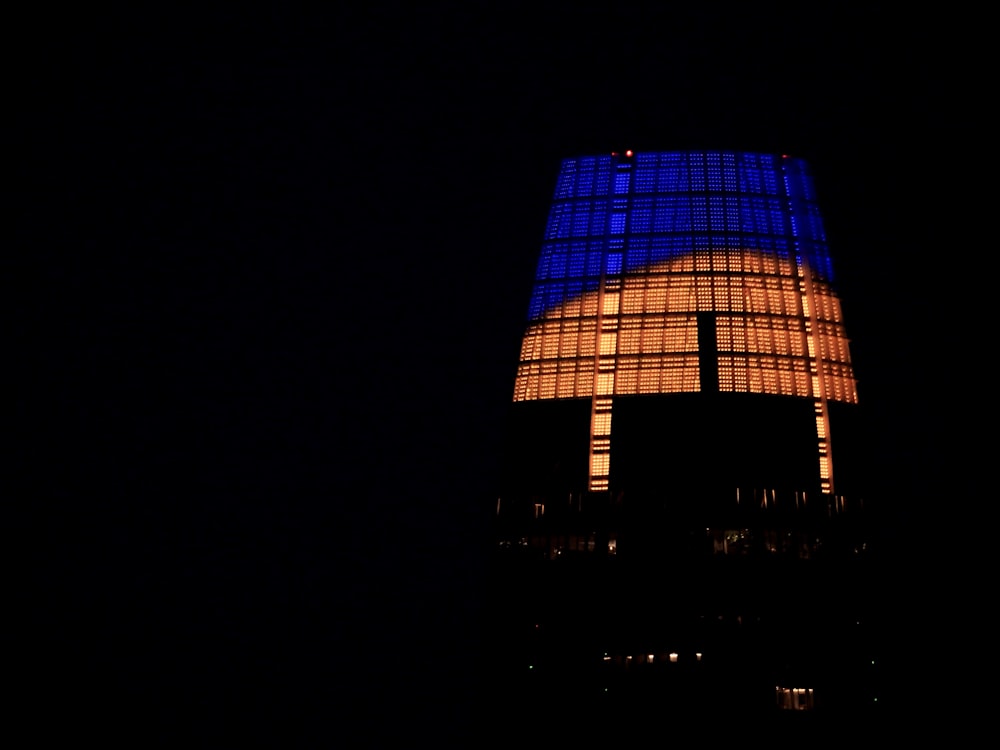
point(283, 295)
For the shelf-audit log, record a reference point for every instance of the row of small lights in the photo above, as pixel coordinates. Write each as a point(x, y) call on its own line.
point(630, 152)
point(648, 658)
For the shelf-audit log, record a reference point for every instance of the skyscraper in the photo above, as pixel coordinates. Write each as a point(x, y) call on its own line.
point(683, 511)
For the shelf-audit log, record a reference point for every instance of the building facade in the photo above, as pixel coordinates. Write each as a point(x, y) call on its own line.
point(682, 510)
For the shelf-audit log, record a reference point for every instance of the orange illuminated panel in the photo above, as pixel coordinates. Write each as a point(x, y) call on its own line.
point(754, 374)
point(784, 337)
point(840, 384)
point(609, 303)
point(658, 374)
point(659, 292)
point(769, 337)
point(741, 294)
point(657, 334)
point(833, 344)
point(828, 305)
point(569, 378)
point(609, 342)
point(557, 353)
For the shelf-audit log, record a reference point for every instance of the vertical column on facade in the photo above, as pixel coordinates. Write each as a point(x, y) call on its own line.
point(818, 384)
point(810, 310)
point(608, 308)
point(604, 383)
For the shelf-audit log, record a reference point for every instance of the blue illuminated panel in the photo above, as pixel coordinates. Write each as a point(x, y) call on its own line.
point(674, 202)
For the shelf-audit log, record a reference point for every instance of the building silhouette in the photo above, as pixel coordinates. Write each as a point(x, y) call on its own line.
point(682, 522)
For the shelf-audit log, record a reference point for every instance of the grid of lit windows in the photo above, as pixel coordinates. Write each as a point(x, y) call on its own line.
point(690, 232)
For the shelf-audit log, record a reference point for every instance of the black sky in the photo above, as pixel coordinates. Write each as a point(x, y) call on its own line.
point(285, 263)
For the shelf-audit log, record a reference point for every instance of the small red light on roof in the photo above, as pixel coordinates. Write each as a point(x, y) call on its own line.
point(628, 153)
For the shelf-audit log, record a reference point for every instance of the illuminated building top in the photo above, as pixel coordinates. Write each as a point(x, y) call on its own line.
point(684, 272)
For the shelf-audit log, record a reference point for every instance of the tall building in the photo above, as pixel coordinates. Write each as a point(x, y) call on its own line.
point(683, 515)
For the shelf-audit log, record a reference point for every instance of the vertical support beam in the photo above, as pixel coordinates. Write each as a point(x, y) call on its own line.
point(818, 381)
